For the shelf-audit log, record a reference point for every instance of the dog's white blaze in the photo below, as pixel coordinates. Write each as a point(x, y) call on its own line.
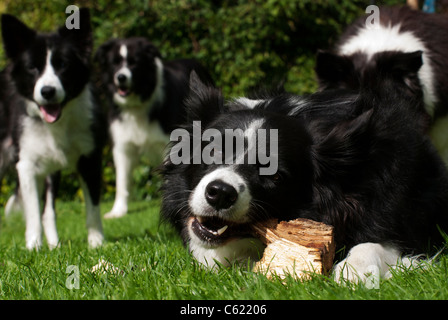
point(124, 70)
point(48, 78)
point(250, 103)
point(250, 133)
point(123, 51)
point(391, 38)
point(253, 127)
point(238, 211)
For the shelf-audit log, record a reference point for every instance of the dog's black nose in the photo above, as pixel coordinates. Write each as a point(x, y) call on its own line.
point(220, 195)
point(121, 78)
point(48, 92)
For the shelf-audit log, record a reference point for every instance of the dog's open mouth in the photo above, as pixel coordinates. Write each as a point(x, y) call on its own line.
point(216, 231)
point(51, 112)
point(123, 91)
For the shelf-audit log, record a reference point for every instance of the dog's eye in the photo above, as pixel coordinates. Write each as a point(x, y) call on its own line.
point(59, 64)
point(31, 67)
point(276, 178)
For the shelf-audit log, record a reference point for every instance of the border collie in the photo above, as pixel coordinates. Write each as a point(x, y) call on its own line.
point(145, 96)
point(56, 123)
point(356, 161)
point(398, 37)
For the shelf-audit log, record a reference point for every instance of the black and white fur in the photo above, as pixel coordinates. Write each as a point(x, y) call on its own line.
point(401, 35)
point(7, 147)
point(55, 122)
point(355, 160)
point(145, 100)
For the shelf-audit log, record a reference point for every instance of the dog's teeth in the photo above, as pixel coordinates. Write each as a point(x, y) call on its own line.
point(222, 230)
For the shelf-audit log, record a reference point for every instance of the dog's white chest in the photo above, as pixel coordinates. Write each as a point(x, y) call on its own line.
point(59, 145)
point(134, 130)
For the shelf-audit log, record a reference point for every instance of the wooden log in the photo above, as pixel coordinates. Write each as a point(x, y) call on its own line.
point(296, 247)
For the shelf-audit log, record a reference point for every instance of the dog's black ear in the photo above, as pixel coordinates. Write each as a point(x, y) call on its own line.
point(80, 34)
point(402, 67)
point(335, 71)
point(345, 149)
point(151, 50)
point(401, 63)
point(16, 36)
point(204, 102)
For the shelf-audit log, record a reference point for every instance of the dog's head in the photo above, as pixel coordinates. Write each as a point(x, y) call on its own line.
point(358, 70)
point(131, 69)
point(48, 69)
point(232, 167)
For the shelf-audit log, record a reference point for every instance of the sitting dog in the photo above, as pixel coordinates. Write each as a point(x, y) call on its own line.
point(355, 160)
point(55, 122)
point(145, 101)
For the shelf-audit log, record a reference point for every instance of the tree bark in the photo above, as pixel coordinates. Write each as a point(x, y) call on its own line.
point(296, 247)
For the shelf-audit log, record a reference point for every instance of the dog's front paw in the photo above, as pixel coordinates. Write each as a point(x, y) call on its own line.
point(95, 239)
point(366, 263)
point(354, 271)
point(115, 214)
point(33, 243)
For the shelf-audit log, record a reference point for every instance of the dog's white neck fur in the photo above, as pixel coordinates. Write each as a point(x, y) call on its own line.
point(390, 38)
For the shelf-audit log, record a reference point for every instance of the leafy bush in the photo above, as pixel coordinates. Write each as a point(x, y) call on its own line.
point(244, 44)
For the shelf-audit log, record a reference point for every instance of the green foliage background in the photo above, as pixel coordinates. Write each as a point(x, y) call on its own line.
point(244, 44)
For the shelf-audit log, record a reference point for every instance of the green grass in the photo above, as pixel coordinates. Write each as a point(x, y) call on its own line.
point(155, 265)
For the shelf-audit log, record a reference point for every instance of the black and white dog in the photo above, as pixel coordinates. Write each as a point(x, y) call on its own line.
point(400, 36)
point(145, 99)
point(56, 123)
point(355, 160)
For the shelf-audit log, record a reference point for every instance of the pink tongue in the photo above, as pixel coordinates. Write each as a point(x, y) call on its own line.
point(122, 92)
point(51, 112)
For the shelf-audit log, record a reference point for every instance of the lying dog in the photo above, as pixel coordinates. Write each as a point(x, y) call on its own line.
point(145, 101)
point(55, 121)
point(355, 160)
